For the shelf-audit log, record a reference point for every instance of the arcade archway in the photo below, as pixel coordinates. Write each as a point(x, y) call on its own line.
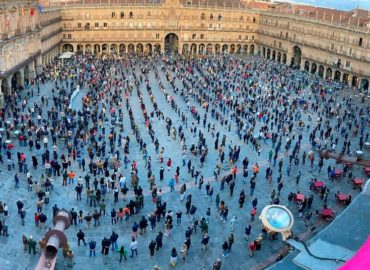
point(171, 43)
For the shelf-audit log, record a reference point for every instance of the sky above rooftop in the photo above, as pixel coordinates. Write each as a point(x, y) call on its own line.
point(336, 4)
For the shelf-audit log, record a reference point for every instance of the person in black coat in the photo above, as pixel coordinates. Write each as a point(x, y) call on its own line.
point(152, 248)
point(159, 240)
point(105, 243)
point(81, 237)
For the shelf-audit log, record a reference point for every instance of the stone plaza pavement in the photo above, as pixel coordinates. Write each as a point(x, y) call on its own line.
point(12, 256)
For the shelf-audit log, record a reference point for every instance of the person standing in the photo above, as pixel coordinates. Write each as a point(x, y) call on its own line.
point(133, 247)
point(184, 250)
point(113, 238)
point(205, 241)
point(173, 259)
point(122, 254)
point(217, 264)
point(92, 246)
point(151, 248)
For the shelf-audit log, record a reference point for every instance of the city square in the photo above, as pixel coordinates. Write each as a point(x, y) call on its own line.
point(165, 159)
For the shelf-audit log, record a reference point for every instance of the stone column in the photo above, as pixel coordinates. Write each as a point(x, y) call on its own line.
point(31, 71)
point(324, 73)
point(39, 65)
point(1, 95)
point(21, 77)
point(9, 85)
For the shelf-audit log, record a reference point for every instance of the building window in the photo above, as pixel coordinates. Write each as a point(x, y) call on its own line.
point(122, 15)
point(280, 45)
point(140, 25)
point(193, 36)
point(254, 20)
point(286, 35)
point(274, 43)
point(149, 25)
point(246, 37)
point(219, 26)
point(105, 25)
point(79, 25)
point(332, 46)
point(247, 27)
point(348, 64)
point(64, 36)
point(113, 14)
point(211, 17)
point(157, 36)
point(350, 51)
point(149, 14)
point(69, 36)
point(131, 25)
point(96, 25)
point(220, 17)
point(252, 38)
point(241, 18)
point(87, 26)
point(131, 15)
point(360, 41)
point(240, 37)
point(210, 26)
point(201, 36)
point(203, 16)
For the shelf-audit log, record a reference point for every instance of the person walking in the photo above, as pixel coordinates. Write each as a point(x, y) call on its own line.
point(225, 248)
point(151, 248)
point(205, 241)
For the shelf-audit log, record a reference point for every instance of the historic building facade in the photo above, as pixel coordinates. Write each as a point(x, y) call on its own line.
point(30, 38)
point(333, 51)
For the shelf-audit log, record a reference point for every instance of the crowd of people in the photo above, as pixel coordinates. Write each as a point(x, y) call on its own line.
point(162, 143)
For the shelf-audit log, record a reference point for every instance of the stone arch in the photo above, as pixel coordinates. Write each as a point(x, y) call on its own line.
point(297, 57)
point(97, 49)
point(122, 48)
point(105, 48)
point(365, 84)
point(278, 57)
point(209, 49)
point(80, 48)
point(321, 71)
point(113, 49)
point(217, 48)
point(88, 48)
point(284, 59)
point(157, 48)
point(26, 74)
point(185, 48)
point(232, 48)
point(239, 49)
point(329, 73)
point(274, 55)
point(4, 87)
point(251, 49)
point(224, 48)
point(313, 68)
point(201, 49)
point(148, 48)
point(268, 53)
point(131, 48)
point(264, 52)
point(307, 65)
point(16, 80)
point(171, 43)
point(337, 75)
point(193, 48)
point(245, 49)
point(355, 81)
point(67, 48)
point(345, 78)
point(139, 48)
